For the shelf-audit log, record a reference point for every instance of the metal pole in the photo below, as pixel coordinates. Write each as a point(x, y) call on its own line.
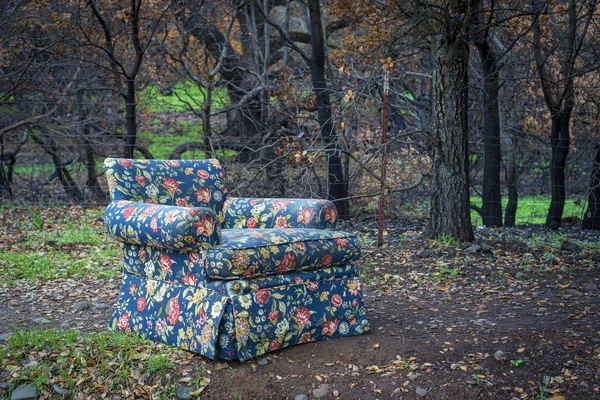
point(384, 139)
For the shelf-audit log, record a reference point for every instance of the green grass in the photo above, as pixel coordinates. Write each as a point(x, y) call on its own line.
point(156, 102)
point(531, 209)
point(104, 362)
point(69, 245)
point(54, 264)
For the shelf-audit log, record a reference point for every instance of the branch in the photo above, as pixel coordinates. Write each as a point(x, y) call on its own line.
point(286, 37)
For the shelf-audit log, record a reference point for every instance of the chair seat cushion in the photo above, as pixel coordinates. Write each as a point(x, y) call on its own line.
point(246, 253)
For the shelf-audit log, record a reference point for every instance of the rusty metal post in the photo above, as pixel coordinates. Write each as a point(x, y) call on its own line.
point(384, 139)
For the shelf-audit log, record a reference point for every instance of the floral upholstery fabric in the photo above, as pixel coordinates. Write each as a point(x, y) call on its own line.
point(184, 183)
point(180, 315)
point(171, 227)
point(274, 318)
point(245, 325)
point(185, 268)
point(279, 213)
point(273, 276)
point(260, 252)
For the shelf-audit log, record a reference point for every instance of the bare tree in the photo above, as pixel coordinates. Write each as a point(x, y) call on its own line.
point(559, 34)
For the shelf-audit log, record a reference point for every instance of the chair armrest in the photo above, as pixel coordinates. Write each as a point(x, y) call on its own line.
point(243, 212)
point(169, 227)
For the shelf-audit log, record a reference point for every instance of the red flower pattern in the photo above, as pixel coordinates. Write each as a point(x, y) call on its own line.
point(326, 260)
point(274, 316)
point(329, 327)
point(203, 195)
point(194, 257)
point(190, 279)
point(303, 316)
point(170, 184)
point(251, 223)
point(205, 227)
point(125, 162)
point(165, 263)
point(286, 262)
point(129, 211)
point(173, 311)
point(261, 296)
point(141, 304)
point(336, 300)
point(123, 323)
point(142, 254)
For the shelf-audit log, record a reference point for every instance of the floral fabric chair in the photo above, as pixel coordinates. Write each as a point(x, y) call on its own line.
point(222, 276)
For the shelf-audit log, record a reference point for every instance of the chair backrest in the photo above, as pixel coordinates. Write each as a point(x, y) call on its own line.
point(186, 183)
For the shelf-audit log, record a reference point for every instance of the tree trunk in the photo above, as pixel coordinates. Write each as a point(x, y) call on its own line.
point(491, 208)
point(336, 181)
point(510, 213)
point(510, 150)
point(560, 142)
point(130, 119)
point(63, 174)
point(450, 211)
point(92, 178)
point(206, 121)
point(591, 219)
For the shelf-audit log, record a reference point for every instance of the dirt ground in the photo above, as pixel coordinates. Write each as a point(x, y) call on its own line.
point(518, 317)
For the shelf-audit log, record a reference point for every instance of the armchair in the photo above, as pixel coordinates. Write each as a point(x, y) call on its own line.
point(222, 276)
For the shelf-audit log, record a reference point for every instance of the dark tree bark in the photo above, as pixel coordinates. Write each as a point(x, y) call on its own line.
point(560, 141)
point(558, 89)
point(450, 211)
point(63, 174)
point(591, 218)
point(337, 183)
point(491, 207)
point(241, 86)
point(510, 149)
point(117, 64)
point(92, 178)
point(130, 119)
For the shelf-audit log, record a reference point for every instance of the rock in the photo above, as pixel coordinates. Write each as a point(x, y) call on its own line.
point(101, 306)
point(500, 355)
point(412, 377)
point(426, 253)
point(42, 320)
point(569, 246)
point(82, 305)
point(183, 392)
point(25, 392)
point(301, 397)
point(473, 249)
point(591, 287)
point(421, 392)
point(321, 391)
point(61, 390)
point(596, 340)
point(262, 361)
point(485, 247)
point(4, 337)
point(574, 292)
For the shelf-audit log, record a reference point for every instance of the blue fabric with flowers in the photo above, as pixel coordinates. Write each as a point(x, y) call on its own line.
point(171, 227)
point(253, 213)
point(260, 252)
point(273, 277)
